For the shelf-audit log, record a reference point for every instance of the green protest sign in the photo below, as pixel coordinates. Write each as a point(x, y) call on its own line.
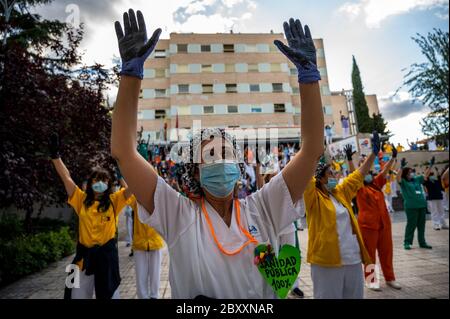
point(279, 272)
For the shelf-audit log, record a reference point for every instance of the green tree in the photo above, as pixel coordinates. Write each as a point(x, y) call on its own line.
point(43, 89)
point(380, 125)
point(429, 81)
point(365, 123)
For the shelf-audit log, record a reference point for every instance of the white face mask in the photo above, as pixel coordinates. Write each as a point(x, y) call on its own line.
point(99, 187)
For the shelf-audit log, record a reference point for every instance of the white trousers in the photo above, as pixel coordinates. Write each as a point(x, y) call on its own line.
point(129, 221)
point(148, 270)
point(87, 287)
point(346, 132)
point(436, 208)
point(329, 140)
point(446, 201)
point(388, 200)
point(346, 282)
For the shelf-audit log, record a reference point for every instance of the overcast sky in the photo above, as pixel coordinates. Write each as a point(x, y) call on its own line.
point(377, 32)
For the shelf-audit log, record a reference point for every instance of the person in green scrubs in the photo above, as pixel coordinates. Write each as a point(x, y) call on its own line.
point(415, 204)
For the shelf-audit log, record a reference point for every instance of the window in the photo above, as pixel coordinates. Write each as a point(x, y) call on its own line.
point(251, 48)
point(140, 116)
point(160, 73)
point(231, 88)
point(253, 68)
point(207, 88)
point(229, 68)
point(254, 88)
point(294, 71)
point(328, 110)
point(232, 109)
point(275, 67)
point(206, 48)
point(273, 49)
point(208, 109)
point(295, 90)
point(182, 48)
point(160, 114)
point(280, 108)
point(160, 93)
point(207, 68)
point(228, 48)
point(183, 88)
point(160, 54)
point(256, 110)
point(277, 87)
point(182, 68)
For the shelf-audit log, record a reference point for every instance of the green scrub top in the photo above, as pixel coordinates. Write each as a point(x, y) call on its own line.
point(412, 192)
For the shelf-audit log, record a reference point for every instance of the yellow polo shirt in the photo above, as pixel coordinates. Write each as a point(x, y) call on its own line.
point(145, 237)
point(323, 242)
point(95, 227)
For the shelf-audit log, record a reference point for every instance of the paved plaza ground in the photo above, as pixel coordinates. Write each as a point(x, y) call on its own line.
point(424, 274)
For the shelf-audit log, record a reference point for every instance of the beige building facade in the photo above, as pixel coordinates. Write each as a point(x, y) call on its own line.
point(235, 81)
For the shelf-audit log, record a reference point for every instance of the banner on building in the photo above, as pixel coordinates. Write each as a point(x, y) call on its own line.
point(336, 150)
point(365, 146)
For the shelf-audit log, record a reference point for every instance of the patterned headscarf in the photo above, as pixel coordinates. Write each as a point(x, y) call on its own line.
point(187, 162)
point(321, 169)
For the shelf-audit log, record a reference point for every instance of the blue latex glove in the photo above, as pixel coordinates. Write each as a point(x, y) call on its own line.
point(403, 163)
point(301, 51)
point(376, 143)
point(432, 161)
point(133, 45)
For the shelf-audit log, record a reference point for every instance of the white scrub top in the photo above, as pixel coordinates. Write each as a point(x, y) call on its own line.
point(348, 243)
point(197, 266)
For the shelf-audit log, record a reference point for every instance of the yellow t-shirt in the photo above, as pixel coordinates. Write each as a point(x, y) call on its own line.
point(400, 149)
point(145, 237)
point(388, 148)
point(97, 228)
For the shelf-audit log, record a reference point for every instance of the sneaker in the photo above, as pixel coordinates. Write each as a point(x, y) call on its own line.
point(437, 227)
point(298, 293)
point(131, 254)
point(407, 247)
point(373, 286)
point(426, 246)
point(394, 284)
point(128, 244)
point(444, 226)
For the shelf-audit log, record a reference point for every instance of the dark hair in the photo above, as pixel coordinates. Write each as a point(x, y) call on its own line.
point(320, 172)
point(405, 172)
point(105, 201)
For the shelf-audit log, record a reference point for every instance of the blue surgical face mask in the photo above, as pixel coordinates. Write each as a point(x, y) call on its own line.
point(433, 178)
point(219, 179)
point(100, 187)
point(368, 179)
point(412, 175)
point(332, 183)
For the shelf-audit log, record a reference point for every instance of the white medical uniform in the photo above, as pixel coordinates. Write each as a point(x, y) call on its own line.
point(197, 266)
point(347, 281)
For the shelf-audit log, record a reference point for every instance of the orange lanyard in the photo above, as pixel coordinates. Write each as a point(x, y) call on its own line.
point(251, 239)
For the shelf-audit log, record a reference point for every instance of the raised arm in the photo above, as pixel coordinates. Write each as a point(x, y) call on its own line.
point(364, 169)
point(123, 184)
point(348, 150)
point(134, 50)
point(445, 177)
point(430, 167)
point(61, 169)
point(302, 52)
point(391, 162)
point(403, 164)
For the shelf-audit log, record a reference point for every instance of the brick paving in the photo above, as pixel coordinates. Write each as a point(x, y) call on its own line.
point(423, 273)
